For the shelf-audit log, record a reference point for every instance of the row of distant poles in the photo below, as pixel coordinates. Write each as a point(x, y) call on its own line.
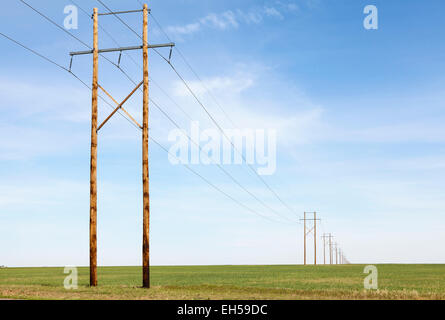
point(336, 254)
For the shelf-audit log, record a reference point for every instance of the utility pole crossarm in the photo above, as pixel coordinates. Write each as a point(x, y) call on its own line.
point(120, 49)
point(121, 12)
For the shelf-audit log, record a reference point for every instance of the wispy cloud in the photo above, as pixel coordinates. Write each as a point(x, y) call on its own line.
point(186, 29)
point(226, 84)
point(233, 19)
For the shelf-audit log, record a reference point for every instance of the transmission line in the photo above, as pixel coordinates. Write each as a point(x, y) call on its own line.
point(174, 123)
point(63, 29)
point(162, 147)
point(207, 112)
point(61, 67)
point(157, 106)
point(194, 72)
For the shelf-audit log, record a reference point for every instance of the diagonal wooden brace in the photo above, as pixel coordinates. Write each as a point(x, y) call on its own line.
point(117, 103)
point(310, 230)
point(119, 106)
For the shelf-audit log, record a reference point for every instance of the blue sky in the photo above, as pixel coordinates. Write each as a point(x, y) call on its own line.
point(359, 115)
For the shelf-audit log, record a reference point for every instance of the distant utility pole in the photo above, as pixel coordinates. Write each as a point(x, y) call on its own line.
point(330, 248)
point(336, 253)
point(95, 129)
point(338, 256)
point(314, 228)
point(324, 236)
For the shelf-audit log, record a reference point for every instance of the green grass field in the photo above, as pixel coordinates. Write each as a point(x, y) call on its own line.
point(230, 282)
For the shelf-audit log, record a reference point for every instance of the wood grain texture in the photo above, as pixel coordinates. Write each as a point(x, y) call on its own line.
point(145, 173)
point(93, 163)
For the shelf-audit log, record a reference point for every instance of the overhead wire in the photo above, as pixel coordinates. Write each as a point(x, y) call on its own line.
point(175, 123)
point(208, 114)
point(61, 67)
point(151, 138)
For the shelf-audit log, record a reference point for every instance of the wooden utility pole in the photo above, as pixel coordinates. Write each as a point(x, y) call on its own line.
point(145, 174)
point(336, 253)
point(95, 129)
point(315, 238)
point(305, 238)
point(330, 248)
point(93, 161)
point(324, 236)
point(314, 228)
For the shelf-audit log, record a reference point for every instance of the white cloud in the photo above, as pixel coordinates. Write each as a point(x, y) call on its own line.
point(230, 19)
point(221, 21)
point(250, 17)
point(287, 6)
point(187, 29)
point(272, 12)
point(228, 85)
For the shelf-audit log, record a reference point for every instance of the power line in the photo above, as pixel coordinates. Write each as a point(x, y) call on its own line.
point(129, 27)
point(54, 23)
point(165, 114)
point(202, 83)
point(76, 38)
point(137, 64)
point(194, 72)
point(61, 67)
point(85, 44)
point(119, 18)
point(162, 147)
point(208, 114)
point(228, 139)
point(63, 29)
point(171, 120)
point(35, 52)
point(214, 186)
